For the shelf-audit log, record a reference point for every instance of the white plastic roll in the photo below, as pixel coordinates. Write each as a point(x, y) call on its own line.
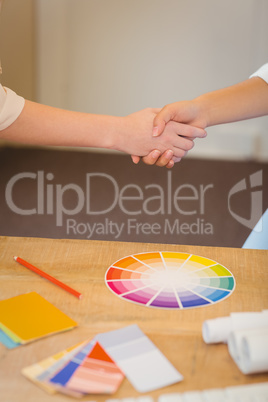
point(249, 320)
point(249, 349)
point(218, 330)
point(254, 352)
point(234, 344)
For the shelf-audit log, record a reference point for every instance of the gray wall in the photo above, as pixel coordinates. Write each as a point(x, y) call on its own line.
point(17, 46)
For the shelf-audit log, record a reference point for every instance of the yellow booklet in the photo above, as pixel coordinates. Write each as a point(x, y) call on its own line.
point(27, 317)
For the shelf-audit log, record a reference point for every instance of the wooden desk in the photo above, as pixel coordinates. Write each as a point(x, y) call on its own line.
point(82, 265)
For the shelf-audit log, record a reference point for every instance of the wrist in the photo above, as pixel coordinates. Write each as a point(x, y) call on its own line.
point(109, 132)
point(201, 111)
point(116, 134)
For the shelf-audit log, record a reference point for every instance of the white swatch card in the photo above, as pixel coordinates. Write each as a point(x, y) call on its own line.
point(143, 364)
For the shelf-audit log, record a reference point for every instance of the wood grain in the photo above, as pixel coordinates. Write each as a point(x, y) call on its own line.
point(82, 264)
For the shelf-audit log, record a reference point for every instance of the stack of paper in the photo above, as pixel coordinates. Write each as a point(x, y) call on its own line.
point(29, 316)
point(98, 366)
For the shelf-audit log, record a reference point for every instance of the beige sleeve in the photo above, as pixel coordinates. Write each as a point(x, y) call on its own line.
point(11, 106)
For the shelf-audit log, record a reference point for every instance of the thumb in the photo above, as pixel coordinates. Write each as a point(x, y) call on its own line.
point(160, 121)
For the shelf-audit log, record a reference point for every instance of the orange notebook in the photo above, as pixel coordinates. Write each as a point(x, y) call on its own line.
point(29, 316)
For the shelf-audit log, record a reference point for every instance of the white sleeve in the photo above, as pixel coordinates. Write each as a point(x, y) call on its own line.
point(262, 73)
point(11, 106)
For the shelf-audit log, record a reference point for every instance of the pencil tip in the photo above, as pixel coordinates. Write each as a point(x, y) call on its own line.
point(15, 258)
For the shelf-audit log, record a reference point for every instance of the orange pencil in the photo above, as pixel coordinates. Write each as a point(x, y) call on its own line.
point(48, 277)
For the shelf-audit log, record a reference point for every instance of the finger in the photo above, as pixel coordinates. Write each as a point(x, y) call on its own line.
point(170, 164)
point(186, 130)
point(179, 153)
point(182, 145)
point(161, 119)
point(152, 157)
point(135, 159)
point(176, 159)
point(186, 144)
point(165, 158)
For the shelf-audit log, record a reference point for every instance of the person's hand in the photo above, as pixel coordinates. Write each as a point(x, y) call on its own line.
point(180, 112)
point(176, 137)
point(188, 112)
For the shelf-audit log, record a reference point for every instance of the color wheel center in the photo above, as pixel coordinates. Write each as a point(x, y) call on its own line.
point(169, 278)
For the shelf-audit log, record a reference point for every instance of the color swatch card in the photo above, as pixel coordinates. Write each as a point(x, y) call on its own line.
point(99, 366)
point(29, 316)
point(169, 280)
point(80, 370)
point(61, 378)
point(39, 372)
point(139, 359)
point(97, 374)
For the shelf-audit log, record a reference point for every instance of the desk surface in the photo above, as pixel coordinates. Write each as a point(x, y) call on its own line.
point(82, 264)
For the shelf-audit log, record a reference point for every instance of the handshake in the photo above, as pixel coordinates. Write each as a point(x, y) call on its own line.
point(157, 136)
point(164, 136)
point(168, 133)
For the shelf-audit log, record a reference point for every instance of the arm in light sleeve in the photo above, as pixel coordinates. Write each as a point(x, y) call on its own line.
point(11, 106)
point(241, 101)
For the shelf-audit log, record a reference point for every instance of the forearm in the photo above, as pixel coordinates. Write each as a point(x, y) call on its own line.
point(44, 125)
point(242, 101)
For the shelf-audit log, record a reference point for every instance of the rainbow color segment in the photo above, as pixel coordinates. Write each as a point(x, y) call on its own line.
point(169, 280)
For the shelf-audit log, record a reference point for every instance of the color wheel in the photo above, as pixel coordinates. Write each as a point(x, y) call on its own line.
point(169, 280)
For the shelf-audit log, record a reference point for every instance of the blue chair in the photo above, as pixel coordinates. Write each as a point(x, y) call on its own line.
point(258, 238)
